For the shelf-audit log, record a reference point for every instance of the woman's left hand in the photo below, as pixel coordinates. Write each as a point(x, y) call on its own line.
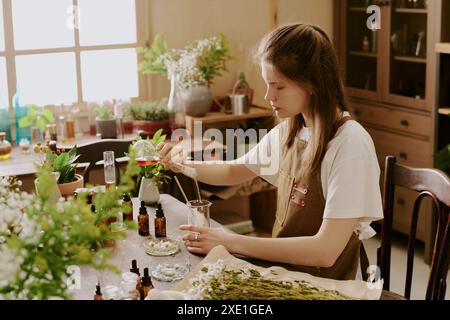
point(202, 239)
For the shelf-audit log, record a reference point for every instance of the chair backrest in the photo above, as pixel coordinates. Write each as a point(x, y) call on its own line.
point(431, 183)
point(92, 152)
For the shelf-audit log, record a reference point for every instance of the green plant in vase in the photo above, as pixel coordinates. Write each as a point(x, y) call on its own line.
point(152, 173)
point(105, 123)
point(36, 119)
point(63, 165)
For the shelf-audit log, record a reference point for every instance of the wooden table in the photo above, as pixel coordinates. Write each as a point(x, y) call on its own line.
point(131, 248)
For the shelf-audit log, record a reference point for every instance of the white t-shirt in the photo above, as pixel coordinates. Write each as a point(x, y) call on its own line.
point(349, 172)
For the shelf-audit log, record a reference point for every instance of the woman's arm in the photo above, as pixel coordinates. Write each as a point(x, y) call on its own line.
point(321, 250)
point(225, 173)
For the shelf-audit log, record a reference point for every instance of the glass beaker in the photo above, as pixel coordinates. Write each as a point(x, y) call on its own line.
point(199, 215)
point(109, 169)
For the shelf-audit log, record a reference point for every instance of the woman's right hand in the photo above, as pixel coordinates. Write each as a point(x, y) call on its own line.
point(172, 156)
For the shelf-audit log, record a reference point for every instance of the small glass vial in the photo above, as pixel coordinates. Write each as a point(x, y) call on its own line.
point(127, 216)
point(160, 223)
point(70, 127)
point(143, 221)
point(5, 147)
point(134, 278)
point(129, 291)
point(147, 284)
point(98, 293)
point(51, 128)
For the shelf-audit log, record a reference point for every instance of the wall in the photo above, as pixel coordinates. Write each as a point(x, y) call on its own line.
point(243, 21)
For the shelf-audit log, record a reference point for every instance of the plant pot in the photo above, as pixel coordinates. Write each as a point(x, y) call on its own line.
point(149, 127)
point(56, 194)
point(197, 100)
point(148, 192)
point(106, 128)
point(67, 189)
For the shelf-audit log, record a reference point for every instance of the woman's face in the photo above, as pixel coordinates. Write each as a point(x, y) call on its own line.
point(286, 97)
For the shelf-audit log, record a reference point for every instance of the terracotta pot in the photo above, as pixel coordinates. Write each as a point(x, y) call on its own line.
point(67, 189)
point(149, 127)
point(107, 128)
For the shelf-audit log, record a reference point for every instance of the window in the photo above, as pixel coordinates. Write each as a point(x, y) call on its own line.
point(53, 52)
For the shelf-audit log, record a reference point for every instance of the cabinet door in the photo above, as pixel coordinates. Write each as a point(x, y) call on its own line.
point(360, 51)
point(407, 35)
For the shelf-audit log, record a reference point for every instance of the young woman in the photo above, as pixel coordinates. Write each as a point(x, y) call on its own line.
point(327, 174)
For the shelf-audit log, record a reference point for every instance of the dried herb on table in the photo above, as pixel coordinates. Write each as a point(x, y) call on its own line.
point(222, 283)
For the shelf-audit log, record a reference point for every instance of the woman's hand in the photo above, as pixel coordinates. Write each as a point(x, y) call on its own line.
point(202, 240)
point(172, 156)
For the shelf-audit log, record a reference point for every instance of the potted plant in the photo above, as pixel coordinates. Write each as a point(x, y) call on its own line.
point(63, 165)
point(152, 172)
point(36, 119)
point(192, 68)
point(151, 116)
point(105, 123)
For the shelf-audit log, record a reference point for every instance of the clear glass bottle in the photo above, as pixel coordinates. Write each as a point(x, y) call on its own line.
point(175, 105)
point(129, 291)
point(70, 127)
point(5, 147)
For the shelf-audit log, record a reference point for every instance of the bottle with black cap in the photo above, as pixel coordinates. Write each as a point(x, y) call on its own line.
point(126, 201)
point(98, 293)
point(135, 269)
point(147, 284)
point(160, 223)
point(143, 221)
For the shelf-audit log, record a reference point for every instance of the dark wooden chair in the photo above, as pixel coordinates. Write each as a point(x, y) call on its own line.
point(92, 153)
point(431, 183)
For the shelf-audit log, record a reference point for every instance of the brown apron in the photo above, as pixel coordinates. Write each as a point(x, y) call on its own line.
point(300, 209)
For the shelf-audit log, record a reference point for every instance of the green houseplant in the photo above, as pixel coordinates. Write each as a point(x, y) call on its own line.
point(150, 116)
point(192, 68)
point(63, 165)
point(152, 174)
point(36, 119)
point(105, 123)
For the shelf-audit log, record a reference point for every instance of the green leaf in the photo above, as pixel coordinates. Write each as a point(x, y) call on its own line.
point(61, 161)
point(40, 124)
point(48, 115)
point(73, 151)
point(24, 122)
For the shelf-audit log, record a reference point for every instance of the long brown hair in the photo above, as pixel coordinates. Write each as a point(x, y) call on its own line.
point(305, 55)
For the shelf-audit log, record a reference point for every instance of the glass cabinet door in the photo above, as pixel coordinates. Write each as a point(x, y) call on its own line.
point(407, 60)
point(361, 51)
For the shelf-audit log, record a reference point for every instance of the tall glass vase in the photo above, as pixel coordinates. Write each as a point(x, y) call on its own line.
point(175, 104)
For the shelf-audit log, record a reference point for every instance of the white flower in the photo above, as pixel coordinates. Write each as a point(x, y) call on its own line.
point(10, 265)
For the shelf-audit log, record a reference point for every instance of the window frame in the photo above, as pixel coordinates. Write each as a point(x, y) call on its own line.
point(10, 54)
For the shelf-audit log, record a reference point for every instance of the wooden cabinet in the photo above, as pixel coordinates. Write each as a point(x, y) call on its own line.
point(391, 79)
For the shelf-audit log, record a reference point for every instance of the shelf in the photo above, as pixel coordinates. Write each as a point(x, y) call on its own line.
point(363, 54)
point(357, 9)
point(443, 47)
point(444, 111)
point(411, 10)
point(410, 59)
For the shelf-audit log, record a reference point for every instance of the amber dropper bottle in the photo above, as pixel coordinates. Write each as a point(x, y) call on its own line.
point(160, 223)
point(98, 293)
point(143, 221)
point(135, 269)
point(147, 284)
